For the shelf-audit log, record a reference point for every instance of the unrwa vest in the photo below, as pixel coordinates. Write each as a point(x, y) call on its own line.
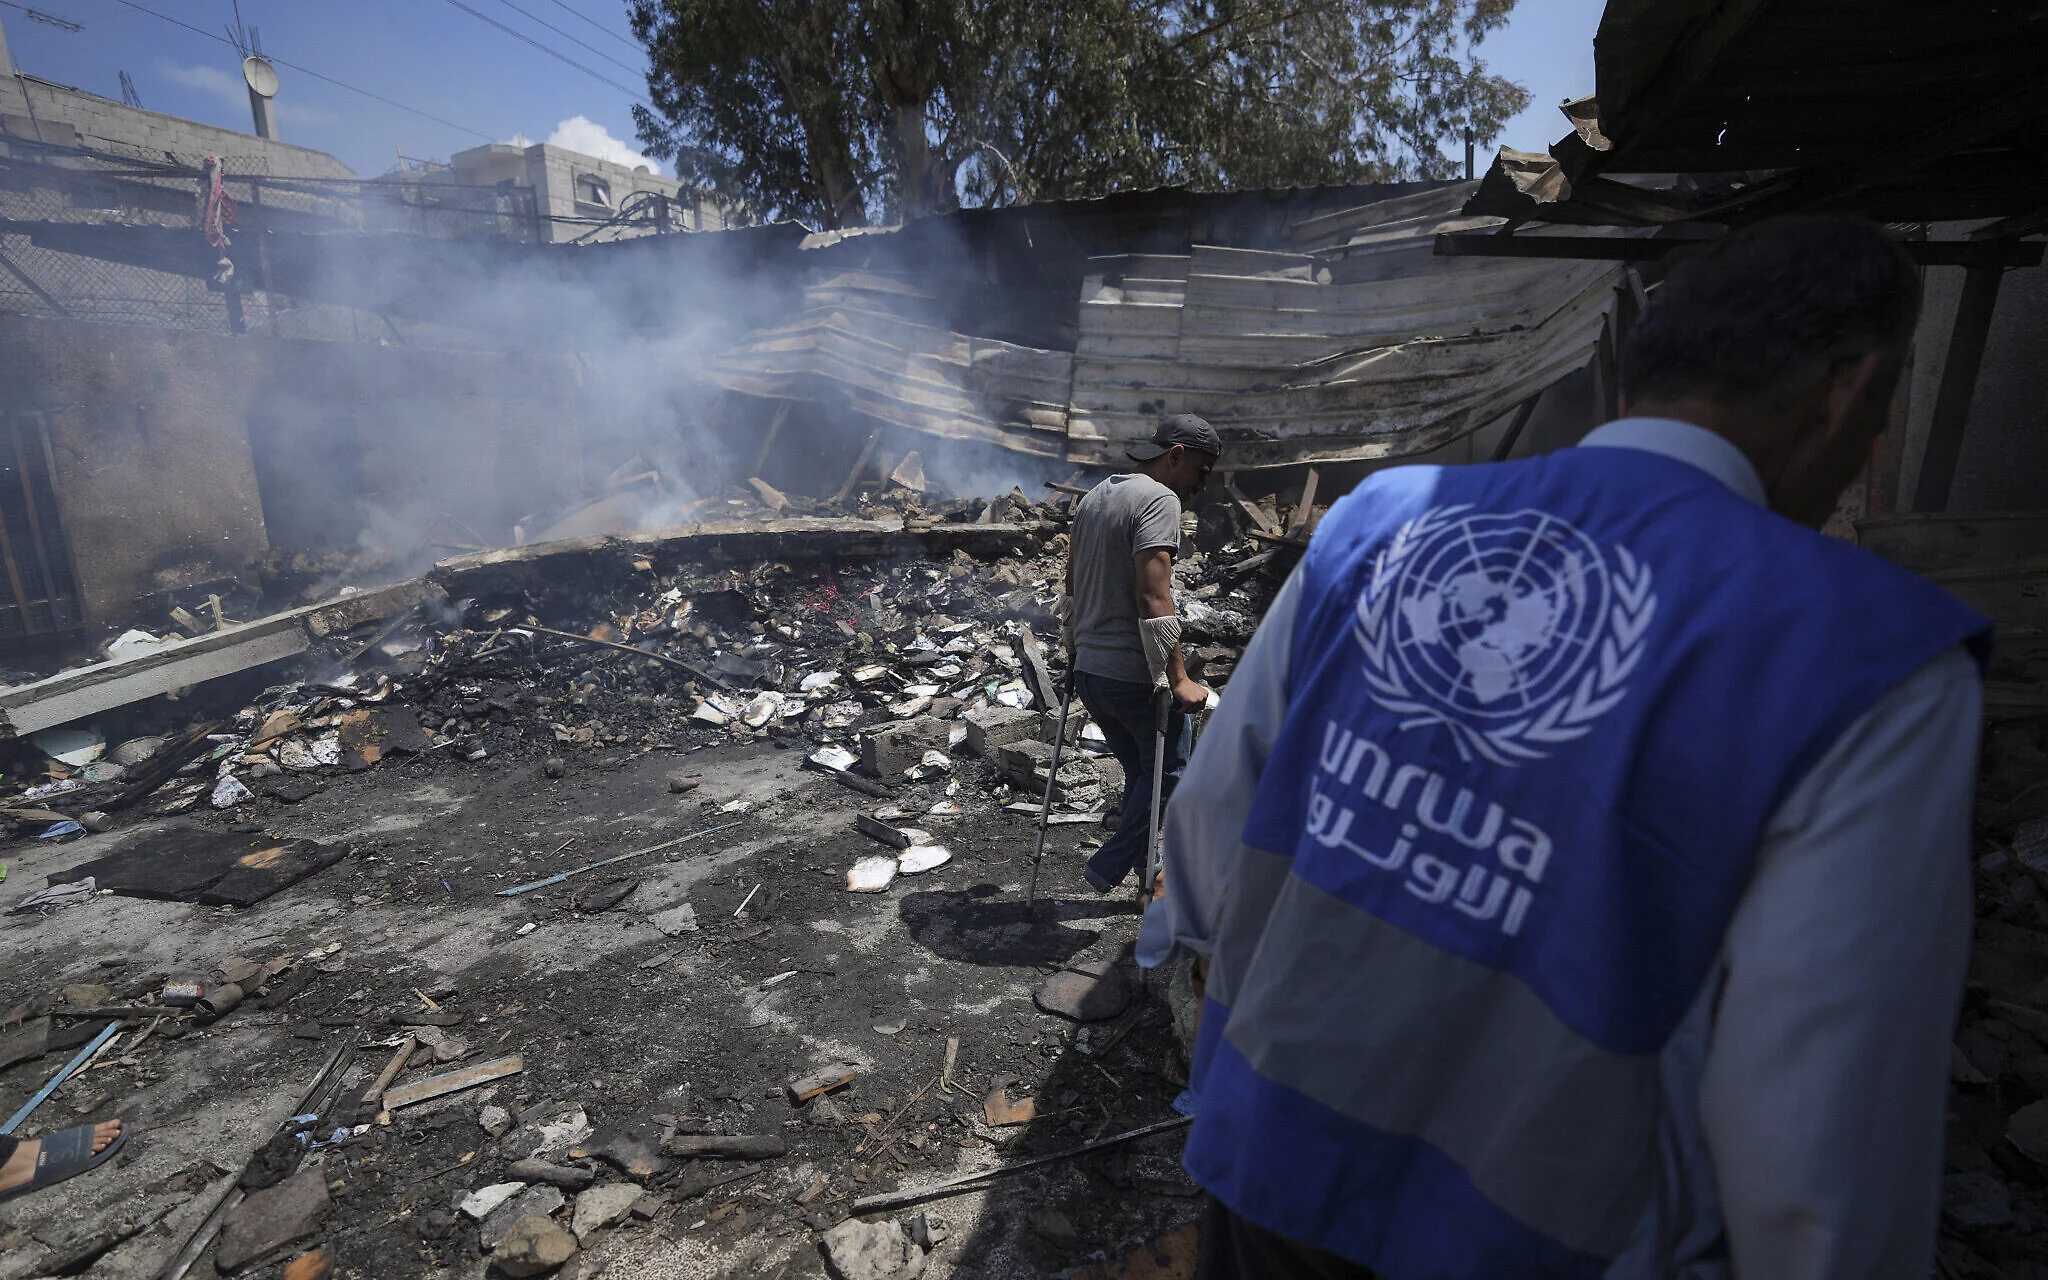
point(1538, 715)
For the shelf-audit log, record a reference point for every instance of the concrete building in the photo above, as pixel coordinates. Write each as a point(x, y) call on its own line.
point(37, 110)
point(583, 197)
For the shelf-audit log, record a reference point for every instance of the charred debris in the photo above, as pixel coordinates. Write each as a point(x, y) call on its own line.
point(427, 1114)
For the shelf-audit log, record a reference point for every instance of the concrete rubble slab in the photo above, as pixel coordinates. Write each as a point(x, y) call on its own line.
point(511, 570)
point(87, 691)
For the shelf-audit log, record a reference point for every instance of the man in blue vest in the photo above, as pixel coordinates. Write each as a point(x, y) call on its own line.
point(1581, 852)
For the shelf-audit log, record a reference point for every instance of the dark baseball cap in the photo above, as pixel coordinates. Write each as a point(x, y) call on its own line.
point(1181, 429)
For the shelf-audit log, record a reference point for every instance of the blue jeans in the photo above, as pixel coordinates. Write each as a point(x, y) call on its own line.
point(1124, 711)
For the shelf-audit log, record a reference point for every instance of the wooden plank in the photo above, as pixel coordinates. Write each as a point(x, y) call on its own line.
point(768, 440)
point(1255, 512)
point(1958, 387)
point(860, 464)
point(1514, 433)
point(714, 1146)
point(1303, 511)
point(823, 1080)
point(453, 1082)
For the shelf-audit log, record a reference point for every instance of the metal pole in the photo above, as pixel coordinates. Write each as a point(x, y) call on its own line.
point(28, 1108)
point(1051, 780)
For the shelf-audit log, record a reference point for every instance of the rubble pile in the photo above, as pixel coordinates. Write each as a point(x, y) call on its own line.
point(889, 669)
point(1995, 1192)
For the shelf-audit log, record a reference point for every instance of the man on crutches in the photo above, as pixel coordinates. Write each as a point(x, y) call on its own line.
point(1126, 647)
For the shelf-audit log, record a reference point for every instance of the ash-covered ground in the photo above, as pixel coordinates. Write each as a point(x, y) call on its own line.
point(650, 1002)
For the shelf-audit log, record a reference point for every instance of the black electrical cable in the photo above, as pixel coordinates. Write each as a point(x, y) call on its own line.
point(623, 66)
point(308, 71)
point(595, 23)
point(556, 54)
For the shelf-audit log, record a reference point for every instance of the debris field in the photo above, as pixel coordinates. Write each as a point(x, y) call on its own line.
point(625, 908)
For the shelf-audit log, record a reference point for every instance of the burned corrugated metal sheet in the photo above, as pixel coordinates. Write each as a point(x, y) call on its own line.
point(861, 340)
point(1364, 345)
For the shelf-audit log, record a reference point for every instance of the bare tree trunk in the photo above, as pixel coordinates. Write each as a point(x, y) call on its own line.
point(914, 161)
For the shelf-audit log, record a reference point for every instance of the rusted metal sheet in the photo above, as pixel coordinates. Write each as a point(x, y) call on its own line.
point(1362, 345)
point(1368, 347)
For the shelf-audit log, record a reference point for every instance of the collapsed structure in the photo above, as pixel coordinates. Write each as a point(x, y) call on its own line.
point(547, 647)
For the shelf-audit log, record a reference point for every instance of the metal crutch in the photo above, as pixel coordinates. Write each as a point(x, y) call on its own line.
point(1162, 715)
point(1162, 718)
point(1051, 780)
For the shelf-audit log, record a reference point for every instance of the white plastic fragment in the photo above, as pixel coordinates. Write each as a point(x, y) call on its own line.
point(838, 759)
point(870, 875)
point(922, 857)
point(229, 792)
point(818, 680)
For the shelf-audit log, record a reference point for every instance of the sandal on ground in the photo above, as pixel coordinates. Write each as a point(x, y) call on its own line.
point(66, 1154)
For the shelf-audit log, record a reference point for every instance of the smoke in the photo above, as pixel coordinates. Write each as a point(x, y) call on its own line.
point(537, 392)
point(581, 133)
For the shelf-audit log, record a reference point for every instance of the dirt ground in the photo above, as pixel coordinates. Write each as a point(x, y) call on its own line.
point(621, 1026)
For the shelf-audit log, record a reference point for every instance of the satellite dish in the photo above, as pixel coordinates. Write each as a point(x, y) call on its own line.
point(262, 77)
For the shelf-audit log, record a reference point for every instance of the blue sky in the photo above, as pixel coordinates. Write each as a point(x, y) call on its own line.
point(486, 85)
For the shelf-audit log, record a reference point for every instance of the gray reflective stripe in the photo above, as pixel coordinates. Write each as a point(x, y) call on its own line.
point(1256, 880)
point(1385, 1028)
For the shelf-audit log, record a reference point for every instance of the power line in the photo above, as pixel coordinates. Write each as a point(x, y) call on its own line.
point(556, 54)
point(623, 66)
point(595, 23)
point(308, 71)
point(40, 16)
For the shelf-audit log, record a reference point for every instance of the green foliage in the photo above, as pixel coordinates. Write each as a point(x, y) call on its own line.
point(839, 112)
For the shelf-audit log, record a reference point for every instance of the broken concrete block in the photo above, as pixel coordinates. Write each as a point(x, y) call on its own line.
point(480, 1203)
point(539, 1200)
point(887, 752)
point(600, 1207)
point(495, 1120)
point(1086, 991)
point(1024, 762)
point(85, 994)
point(273, 1217)
point(872, 1251)
point(676, 920)
point(998, 726)
point(533, 1247)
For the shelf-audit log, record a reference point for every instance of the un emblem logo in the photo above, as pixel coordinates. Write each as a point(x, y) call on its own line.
point(1514, 631)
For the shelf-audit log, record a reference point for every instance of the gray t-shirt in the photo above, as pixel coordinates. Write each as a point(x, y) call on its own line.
point(1118, 518)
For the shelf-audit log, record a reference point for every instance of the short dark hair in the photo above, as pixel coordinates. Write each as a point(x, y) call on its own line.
point(1763, 311)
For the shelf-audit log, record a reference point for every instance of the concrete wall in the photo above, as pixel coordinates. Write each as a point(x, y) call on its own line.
point(170, 446)
point(73, 117)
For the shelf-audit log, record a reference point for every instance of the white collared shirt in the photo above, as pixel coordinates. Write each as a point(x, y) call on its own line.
point(1807, 1089)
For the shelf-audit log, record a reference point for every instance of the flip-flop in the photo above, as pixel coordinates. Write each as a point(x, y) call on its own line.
point(66, 1154)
